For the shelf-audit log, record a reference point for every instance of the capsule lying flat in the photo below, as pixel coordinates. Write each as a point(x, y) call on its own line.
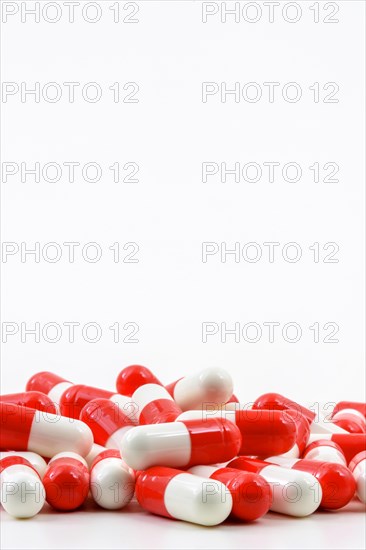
point(107, 422)
point(33, 399)
point(181, 444)
point(351, 444)
point(22, 491)
point(180, 495)
point(112, 482)
point(336, 481)
point(212, 385)
point(295, 493)
point(251, 494)
point(263, 432)
point(71, 398)
point(25, 429)
point(37, 461)
point(66, 481)
point(358, 468)
point(355, 405)
point(325, 450)
point(351, 420)
point(155, 405)
point(275, 401)
point(133, 377)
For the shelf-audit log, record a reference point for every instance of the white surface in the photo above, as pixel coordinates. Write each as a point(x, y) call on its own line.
point(170, 292)
point(93, 528)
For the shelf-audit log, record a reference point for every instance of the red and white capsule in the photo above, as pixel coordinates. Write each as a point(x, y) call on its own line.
point(95, 451)
point(71, 398)
point(251, 494)
point(325, 450)
point(302, 433)
point(233, 404)
point(275, 401)
point(155, 405)
point(133, 377)
point(49, 383)
point(212, 385)
point(112, 482)
point(175, 494)
point(351, 444)
point(295, 493)
point(358, 468)
point(25, 429)
point(107, 422)
point(263, 431)
point(354, 405)
point(336, 481)
point(33, 399)
point(351, 420)
point(66, 481)
point(181, 444)
point(37, 461)
point(22, 491)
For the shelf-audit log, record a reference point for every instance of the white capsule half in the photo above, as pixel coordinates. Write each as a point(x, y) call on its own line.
point(295, 493)
point(112, 483)
point(52, 434)
point(22, 491)
point(212, 385)
point(325, 454)
point(145, 446)
point(197, 499)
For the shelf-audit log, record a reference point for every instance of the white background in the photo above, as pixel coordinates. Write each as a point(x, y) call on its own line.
point(170, 292)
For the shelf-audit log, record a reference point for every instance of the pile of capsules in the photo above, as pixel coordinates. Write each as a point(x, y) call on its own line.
point(189, 451)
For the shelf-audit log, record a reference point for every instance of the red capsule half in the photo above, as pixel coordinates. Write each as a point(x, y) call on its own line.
point(132, 377)
point(107, 422)
point(33, 399)
point(66, 481)
point(278, 402)
point(251, 494)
